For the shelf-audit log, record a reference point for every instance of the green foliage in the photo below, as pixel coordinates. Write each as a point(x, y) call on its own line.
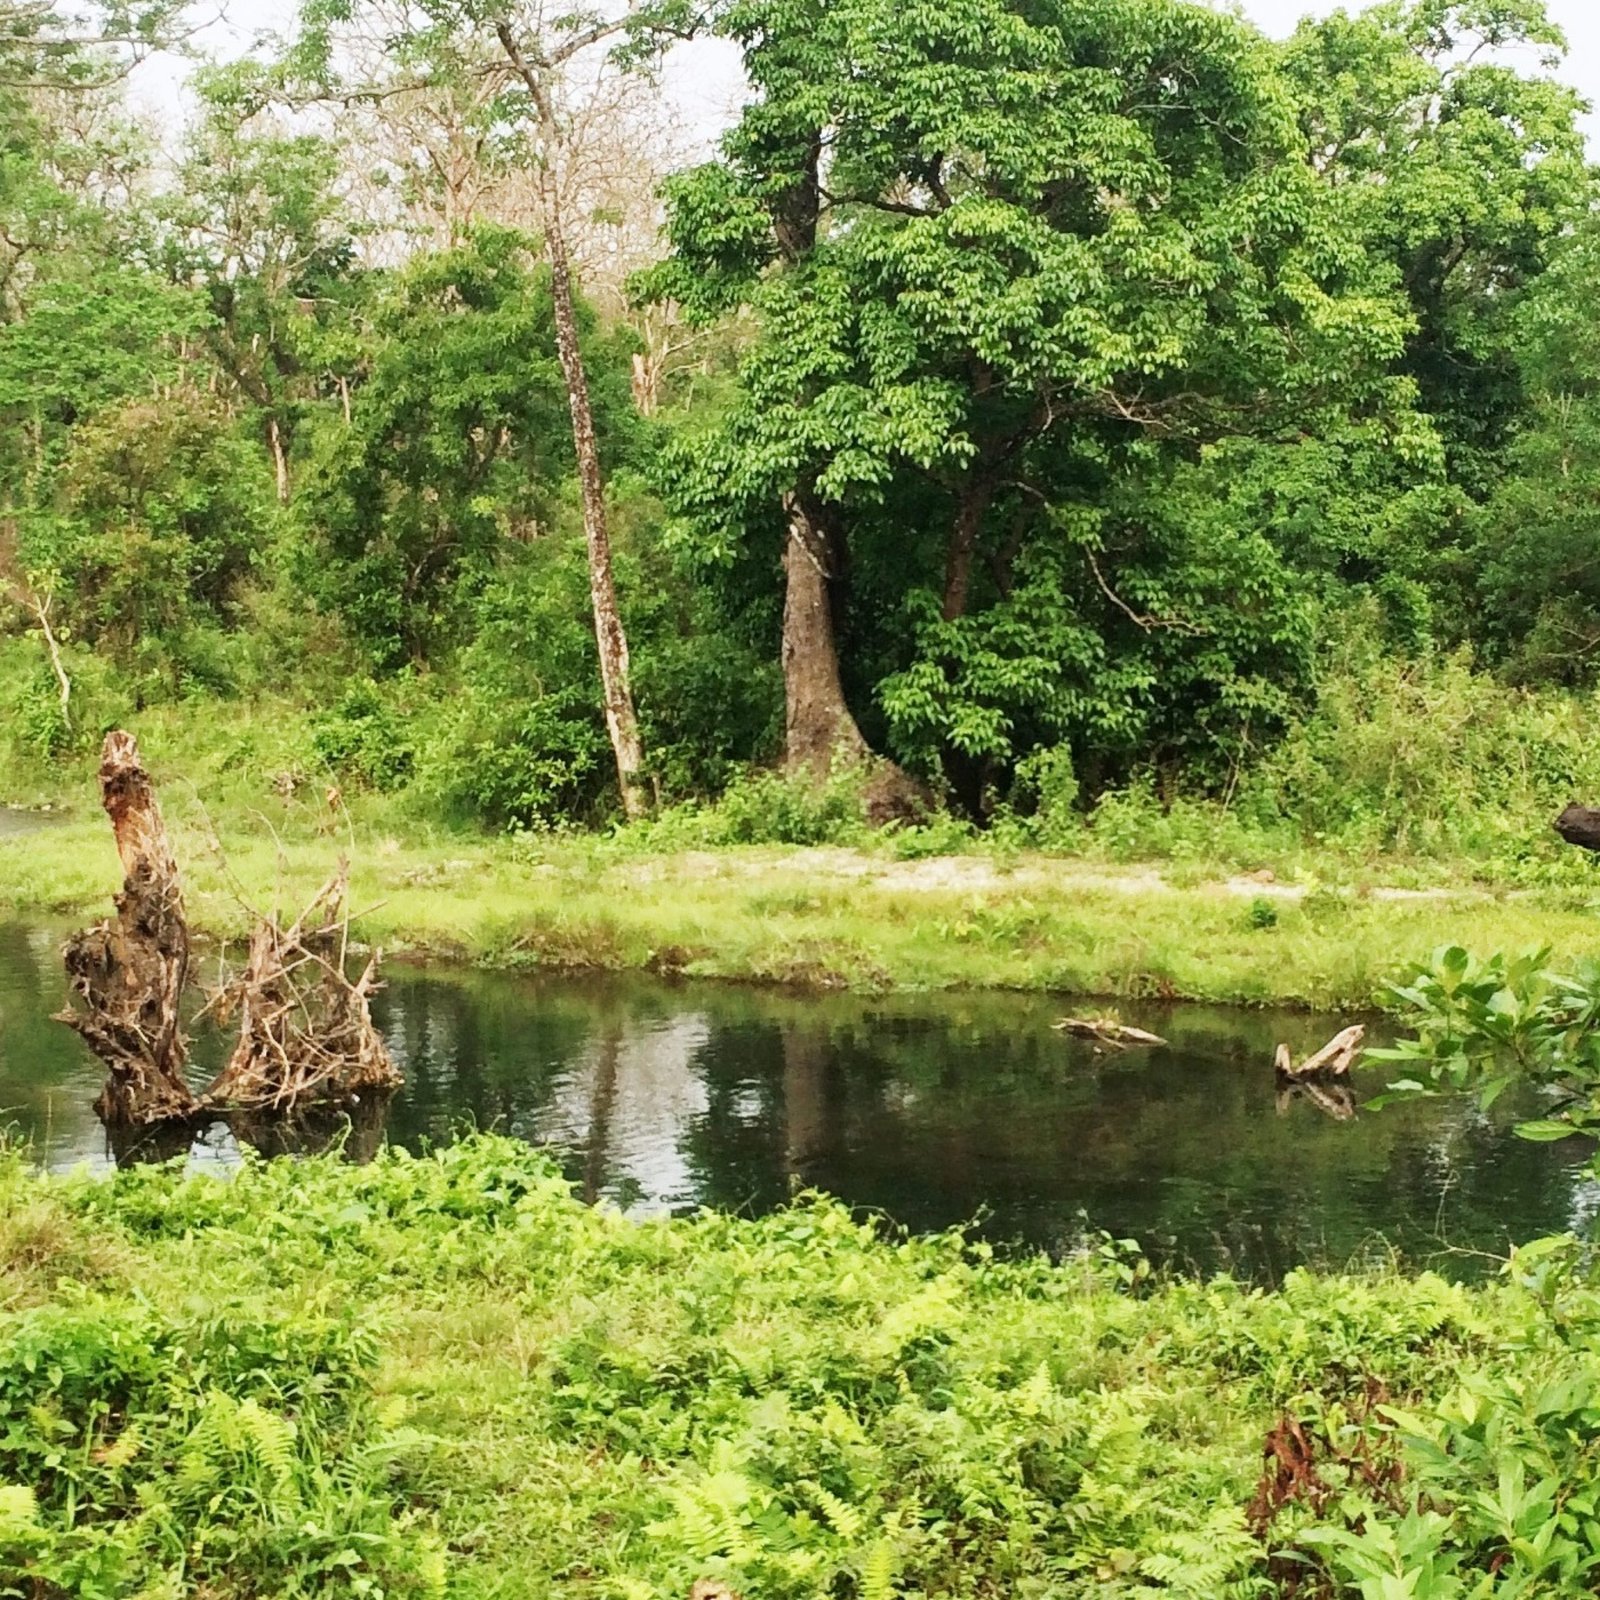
point(1486, 1025)
point(1167, 402)
point(362, 738)
point(160, 512)
point(765, 807)
point(455, 445)
point(446, 1376)
point(1430, 757)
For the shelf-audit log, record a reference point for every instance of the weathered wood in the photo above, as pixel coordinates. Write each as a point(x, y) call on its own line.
point(129, 974)
point(306, 1034)
point(1109, 1031)
point(1580, 826)
point(1333, 1060)
point(305, 1030)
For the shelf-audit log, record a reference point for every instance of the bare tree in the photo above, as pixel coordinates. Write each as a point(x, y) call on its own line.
point(464, 96)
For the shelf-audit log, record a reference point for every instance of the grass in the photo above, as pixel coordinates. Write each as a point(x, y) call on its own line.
point(1325, 929)
point(445, 1377)
point(820, 917)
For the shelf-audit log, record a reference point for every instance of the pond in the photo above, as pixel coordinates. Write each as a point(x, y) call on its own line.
point(935, 1110)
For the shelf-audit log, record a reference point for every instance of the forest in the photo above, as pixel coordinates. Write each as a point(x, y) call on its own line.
point(1022, 411)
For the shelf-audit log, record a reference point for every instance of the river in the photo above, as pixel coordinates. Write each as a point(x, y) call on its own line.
point(934, 1110)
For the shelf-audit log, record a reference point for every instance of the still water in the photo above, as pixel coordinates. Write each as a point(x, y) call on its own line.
point(934, 1110)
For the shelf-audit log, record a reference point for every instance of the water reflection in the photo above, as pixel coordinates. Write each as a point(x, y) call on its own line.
point(934, 1110)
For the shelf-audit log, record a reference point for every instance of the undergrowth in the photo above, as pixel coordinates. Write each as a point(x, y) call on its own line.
point(444, 1376)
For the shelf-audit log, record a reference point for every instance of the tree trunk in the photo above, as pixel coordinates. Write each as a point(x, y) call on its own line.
point(130, 974)
point(280, 459)
point(819, 730)
point(970, 509)
point(622, 722)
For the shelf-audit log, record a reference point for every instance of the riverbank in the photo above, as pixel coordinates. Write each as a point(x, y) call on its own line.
point(827, 918)
point(446, 1377)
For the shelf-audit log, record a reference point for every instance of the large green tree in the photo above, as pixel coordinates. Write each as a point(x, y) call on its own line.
point(1458, 160)
point(1008, 260)
point(456, 443)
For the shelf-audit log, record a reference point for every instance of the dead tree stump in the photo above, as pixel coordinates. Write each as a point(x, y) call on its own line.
point(306, 1035)
point(305, 1030)
point(129, 974)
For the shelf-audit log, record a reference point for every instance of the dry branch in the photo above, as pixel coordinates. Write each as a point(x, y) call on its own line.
point(305, 1030)
point(1107, 1030)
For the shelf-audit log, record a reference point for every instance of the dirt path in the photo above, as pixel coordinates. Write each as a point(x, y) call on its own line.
point(974, 874)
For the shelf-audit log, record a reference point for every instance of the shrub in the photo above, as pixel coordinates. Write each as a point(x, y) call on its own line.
point(362, 739)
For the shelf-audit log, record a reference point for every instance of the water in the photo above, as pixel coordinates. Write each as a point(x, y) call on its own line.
point(934, 1110)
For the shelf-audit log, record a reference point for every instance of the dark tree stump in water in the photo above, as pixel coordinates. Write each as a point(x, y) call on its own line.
point(306, 1034)
point(129, 974)
point(1580, 826)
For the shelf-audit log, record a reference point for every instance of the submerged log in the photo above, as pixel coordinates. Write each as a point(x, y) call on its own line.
point(1333, 1060)
point(129, 974)
point(305, 1030)
point(1107, 1031)
point(1580, 826)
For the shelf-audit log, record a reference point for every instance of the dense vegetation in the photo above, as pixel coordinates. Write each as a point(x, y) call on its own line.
point(447, 1377)
point(1081, 409)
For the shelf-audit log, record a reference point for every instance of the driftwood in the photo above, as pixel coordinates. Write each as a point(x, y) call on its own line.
point(1107, 1031)
point(1580, 826)
point(306, 1035)
point(1321, 1078)
point(1333, 1060)
point(129, 975)
point(305, 1030)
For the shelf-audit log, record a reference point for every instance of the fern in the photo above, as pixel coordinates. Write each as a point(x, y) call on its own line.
point(880, 1572)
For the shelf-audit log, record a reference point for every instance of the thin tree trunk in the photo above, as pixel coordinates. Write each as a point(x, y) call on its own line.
point(622, 722)
point(280, 459)
point(819, 730)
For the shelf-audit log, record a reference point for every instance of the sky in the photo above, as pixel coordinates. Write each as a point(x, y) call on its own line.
point(703, 79)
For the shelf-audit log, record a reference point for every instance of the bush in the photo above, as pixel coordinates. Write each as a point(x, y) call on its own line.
point(362, 739)
point(1431, 758)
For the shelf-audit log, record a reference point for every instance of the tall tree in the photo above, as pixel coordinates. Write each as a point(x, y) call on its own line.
point(255, 225)
point(540, 48)
point(1004, 255)
point(1462, 169)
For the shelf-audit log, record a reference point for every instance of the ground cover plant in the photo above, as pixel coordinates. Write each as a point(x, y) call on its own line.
point(445, 1376)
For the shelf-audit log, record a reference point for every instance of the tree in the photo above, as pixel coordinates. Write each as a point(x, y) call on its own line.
point(255, 227)
point(1459, 170)
point(455, 443)
point(540, 49)
point(1008, 261)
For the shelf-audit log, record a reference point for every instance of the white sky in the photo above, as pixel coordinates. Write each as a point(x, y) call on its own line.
point(703, 78)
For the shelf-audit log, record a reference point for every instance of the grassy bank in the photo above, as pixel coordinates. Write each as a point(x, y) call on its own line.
point(856, 918)
point(1189, 902)
point(823, 917)
point(445, 1377)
